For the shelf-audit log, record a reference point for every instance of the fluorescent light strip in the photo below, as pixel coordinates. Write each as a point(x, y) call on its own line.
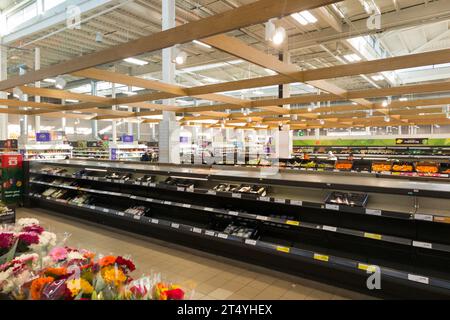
point(202, 44)
point(136, 61)
point(50, 80)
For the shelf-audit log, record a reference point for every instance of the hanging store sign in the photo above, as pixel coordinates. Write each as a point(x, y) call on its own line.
point(127, 138)
point(8, 144)
point(43, 136)
point(411, 141)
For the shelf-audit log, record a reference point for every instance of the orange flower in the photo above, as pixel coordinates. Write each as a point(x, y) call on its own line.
point(106, 261)
point(55, 271)
point(38, 285)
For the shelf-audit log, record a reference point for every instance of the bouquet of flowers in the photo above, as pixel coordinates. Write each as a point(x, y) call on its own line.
point(25, 236)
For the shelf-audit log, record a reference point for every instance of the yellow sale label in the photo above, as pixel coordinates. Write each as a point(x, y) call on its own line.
point(293, 222)
point(283, 249)
point(321, 257)
point(366, 267)
point(372, 236)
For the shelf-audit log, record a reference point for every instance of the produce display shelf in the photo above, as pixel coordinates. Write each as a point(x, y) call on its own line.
point(327, 260)
point(436, 189)
point(404, 215)
point(265, 199)
point(262, 218)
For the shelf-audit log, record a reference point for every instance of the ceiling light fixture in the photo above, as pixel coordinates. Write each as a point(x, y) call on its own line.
point(384, 103)
point(387, 119)
point(138, 62)
point(49, 80)
point(18, 93)
point(180, 56)
point(403, 99)
point(275, 34)
point(202, 44)
point(60, 83)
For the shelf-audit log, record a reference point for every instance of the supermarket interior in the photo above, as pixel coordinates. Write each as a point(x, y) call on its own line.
point(224, 149)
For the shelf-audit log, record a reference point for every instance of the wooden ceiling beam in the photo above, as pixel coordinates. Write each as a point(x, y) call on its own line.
point(243, 16)
point(63, 94)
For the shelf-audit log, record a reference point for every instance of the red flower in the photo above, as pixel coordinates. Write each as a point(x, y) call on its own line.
point(128, 264)
point(29, 238)
point(33, 228)
point(6, 240)
point(175, 294)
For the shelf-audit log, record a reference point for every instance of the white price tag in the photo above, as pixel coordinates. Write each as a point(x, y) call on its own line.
point(92, 207)
point(209, 209)
point(154, 221)
point(108, 180)
point(264, 218)
point(296, 202)
point(329, 228)
point(264, 198)
point(424, 217)
point(250, 241)
point(374, 212)
point(149, 199)
point(421, 244)
point(416, 278)
point(136, 182)
point(277, 200)
point(175, 225)
point(189, 189)
point(233, 213)
point(197, 230)
point(95, 178)
point(209, 233)
point(180, 189)
point(186, 205)
point(151, 184)
point(121, 181)
point(137, 217)
point(332, 206)
point(236, 195)
point(222, 236)
point(133, 197)
point(211, 192)
point(105, 210)
point(120, 213)
point(168, 203)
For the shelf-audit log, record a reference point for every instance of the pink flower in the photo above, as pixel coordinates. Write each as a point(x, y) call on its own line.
point(34, 228)
point(6, 240)
point(58, 254)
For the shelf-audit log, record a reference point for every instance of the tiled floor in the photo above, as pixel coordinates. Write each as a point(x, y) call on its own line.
point(210, 276)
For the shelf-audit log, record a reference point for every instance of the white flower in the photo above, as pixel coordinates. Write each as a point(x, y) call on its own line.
point(46, 239)
point(25, 222)
point(74, 255)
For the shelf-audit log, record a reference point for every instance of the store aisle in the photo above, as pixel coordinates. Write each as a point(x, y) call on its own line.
point(212, 276)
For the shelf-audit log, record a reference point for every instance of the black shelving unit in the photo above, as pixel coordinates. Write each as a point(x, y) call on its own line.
point(295, 230)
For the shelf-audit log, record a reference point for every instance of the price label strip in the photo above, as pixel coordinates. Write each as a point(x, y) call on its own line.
point(321, 257)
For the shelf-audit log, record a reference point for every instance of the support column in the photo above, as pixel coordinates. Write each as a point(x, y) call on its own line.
point(114, 125)
point(3, 76)
point(24, 118)
point(169, 130)
point(37, 66)
point(64, 120)
point(94, 123)
point(285, 134)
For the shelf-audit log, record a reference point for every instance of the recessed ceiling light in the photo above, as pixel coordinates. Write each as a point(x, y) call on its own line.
point(403, 99)
point(138, 62)
point(49, 80)
point(71, 100)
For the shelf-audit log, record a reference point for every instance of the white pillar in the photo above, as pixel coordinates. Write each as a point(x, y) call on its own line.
point(64, 119)
point(23, 118)
point(114, 126)
point(3, 76)
point(94, 123)
point(37, 66)
point(169, 130)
